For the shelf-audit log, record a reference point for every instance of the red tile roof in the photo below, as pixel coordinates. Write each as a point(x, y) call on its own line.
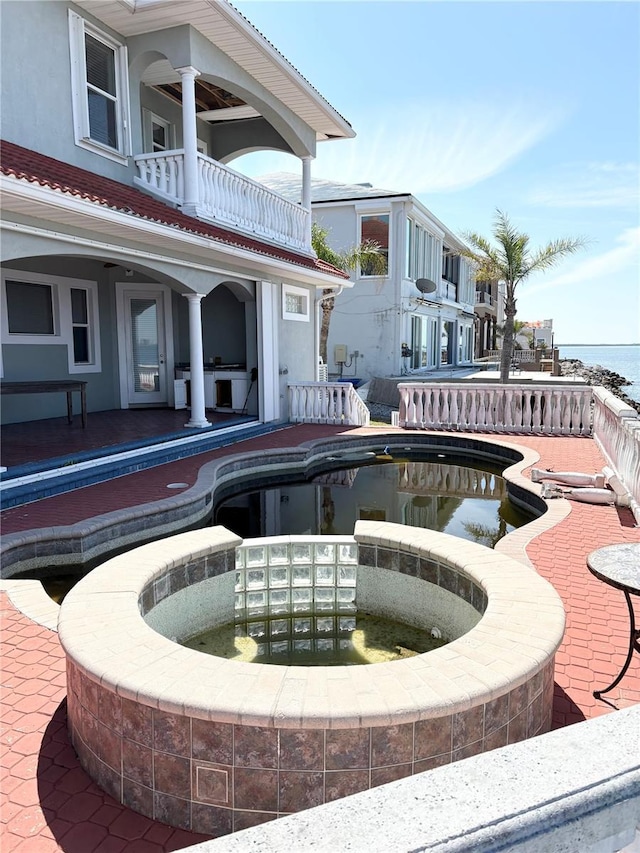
point(34, 167)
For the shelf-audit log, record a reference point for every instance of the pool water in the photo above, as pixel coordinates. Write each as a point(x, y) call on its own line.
point(439, 493)
point(327, 640)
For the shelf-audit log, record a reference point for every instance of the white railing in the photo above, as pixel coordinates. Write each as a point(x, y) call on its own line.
point(227, 198)
point(518, 354)
point(616, 429)
point(438, 477)
point(483, 298)
point(326, 403)
point(548, 409)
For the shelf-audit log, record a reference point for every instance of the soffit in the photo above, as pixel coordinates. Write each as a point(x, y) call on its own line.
point(230, 31)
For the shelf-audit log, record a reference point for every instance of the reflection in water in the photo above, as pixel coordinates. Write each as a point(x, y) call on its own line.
point(469, 501)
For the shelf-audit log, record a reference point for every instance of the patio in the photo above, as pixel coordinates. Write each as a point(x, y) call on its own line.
point(48, 802)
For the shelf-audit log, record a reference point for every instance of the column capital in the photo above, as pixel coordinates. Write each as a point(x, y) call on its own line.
point(194, 297)
point(189, 70)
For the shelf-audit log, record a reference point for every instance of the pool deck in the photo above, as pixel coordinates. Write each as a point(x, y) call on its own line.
point(47, 801)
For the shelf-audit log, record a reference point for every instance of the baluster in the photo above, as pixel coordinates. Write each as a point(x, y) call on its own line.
point(526, 410)
point(481, 416)
point(536, 414)
point(557, 421)
point(453, 409)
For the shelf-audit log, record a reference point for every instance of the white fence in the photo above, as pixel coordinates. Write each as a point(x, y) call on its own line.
point(544, 409)
point(326, 403)
point(616, 429)
point(227, 197)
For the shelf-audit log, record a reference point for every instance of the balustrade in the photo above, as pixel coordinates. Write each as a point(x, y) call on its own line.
point(616, 429)
point(549, 410)
point(326, 403)
point(226, 197)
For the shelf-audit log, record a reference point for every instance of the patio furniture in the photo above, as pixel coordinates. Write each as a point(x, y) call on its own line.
point(51, 386)
point(619, 566)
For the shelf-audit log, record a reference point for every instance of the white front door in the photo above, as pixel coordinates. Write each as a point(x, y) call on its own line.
point(142, 343)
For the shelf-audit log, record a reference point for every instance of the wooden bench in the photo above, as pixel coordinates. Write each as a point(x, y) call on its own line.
point(51, 386)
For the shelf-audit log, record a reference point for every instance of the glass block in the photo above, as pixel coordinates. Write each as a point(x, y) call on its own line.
point(256, 598)
point(239, 601)
point(239, 581)
point(346, 623)
point(240, 629)
point(325, 624)
point(300, 552)
point(325, 575)
point(279, 596)
point(302, 596)
point(325, 552)
point(280, 648)
point(344, 645)
point(240, 557)
point(346, 575)
point(302, 645)
point(324, 595)
point(256, 629)
point(301, 576)
point(302, 626)
point(279, 554)
point(256, 556)
point(279, 576)
point(279, 627)
point(261, 649)
point(346, 595)
point(256, 579)
point(348, 553)
point(325, 645)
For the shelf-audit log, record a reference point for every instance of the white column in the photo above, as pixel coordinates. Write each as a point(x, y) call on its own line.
point(189, 135)
point(196, 359)
point(306, 193)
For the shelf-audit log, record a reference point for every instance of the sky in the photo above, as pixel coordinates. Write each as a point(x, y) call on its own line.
point(532, 108)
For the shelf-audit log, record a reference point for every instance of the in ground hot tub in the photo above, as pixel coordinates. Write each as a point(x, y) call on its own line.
point(215, 745)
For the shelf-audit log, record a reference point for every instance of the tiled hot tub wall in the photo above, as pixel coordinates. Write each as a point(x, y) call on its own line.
point(216, 746)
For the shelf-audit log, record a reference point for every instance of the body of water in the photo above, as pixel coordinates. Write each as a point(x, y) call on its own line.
point(624, 360)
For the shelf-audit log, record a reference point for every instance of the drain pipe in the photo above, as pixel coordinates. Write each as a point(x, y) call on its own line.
point(319, 301)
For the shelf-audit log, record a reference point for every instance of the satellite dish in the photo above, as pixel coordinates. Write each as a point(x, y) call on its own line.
point(425, 285)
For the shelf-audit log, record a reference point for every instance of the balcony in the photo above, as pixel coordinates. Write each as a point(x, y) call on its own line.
point(483, 298)
point(227, 198)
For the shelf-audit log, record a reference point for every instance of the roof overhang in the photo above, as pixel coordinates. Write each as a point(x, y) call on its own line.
point(78, 221)
point(221, 24)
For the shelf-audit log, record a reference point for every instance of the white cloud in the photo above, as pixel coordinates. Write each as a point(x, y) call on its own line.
point(602, 267)
point(424, 146)
point(593, 185)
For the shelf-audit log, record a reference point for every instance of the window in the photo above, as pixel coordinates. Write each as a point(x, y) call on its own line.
point(375, 229)
point(40, 309)
point(424, 338)
point(295, 303)
point(420, 248)
point(100, 90)
point(158, 133)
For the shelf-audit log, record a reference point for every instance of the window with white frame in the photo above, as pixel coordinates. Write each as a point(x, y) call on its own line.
point(423, 341)
point(295, 303)
point(375, 229)
point(158, 133)
point(40, 309)
point(99, 89)
point(420, 249)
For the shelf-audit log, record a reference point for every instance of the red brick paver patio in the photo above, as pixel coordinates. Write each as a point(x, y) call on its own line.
point(47, 801)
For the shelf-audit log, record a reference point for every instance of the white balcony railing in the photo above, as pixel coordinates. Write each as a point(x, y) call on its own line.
point(326, 403)
point(616, 430)
point(226, 198)
point(548, 409)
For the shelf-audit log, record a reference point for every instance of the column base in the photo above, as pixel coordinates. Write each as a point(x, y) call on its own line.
point(198, 424)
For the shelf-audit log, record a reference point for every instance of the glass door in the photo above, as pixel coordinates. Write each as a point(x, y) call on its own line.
point(146, 348)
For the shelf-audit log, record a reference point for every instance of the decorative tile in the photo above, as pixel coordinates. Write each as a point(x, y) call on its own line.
point(409, 564)
point(467, 751)
point(366, 555)
point(172, 810)
point(256, 790)
point(211, 820)
point(212, 783)
point(448, 579)
point(433, 737)
point(517, 700)
point(171, 733)
point(301, 749)
point(90, 695)
point(428, 570)
point(300, 790)
point(347, 749)
point(518, 727)
point(247, 819)
point(468, 727)
point(212, 741)
point(382, 775)
point(496, 714)
point(343, 783)
point(110, 710)
point(430, 763)
point(495, 739)
point(391, 745)
point(255, 746)
point(172, 774)
point(137, 797)
point(388, 559)
point(137, 763)
point(137, 722)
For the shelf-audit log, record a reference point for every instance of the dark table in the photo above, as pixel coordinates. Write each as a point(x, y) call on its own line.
point(619, 566)
point(50, 386)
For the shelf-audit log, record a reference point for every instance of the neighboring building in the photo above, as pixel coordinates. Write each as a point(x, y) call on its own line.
point(536, 334)
point(419, 315)
point(489, 311)
point(129, 247)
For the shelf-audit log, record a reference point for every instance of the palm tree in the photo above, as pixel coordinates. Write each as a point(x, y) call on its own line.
point(368, 253)
point(511, 261)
